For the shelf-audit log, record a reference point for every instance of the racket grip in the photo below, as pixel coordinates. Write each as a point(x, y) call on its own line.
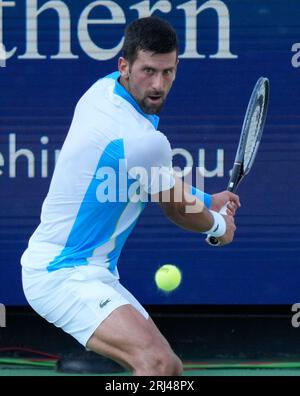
point(211, 240)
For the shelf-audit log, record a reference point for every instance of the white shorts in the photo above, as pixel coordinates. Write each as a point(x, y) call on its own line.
point(76, 299)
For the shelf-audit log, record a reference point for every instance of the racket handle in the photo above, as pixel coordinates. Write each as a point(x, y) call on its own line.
point(223, 210)
point(211, 240)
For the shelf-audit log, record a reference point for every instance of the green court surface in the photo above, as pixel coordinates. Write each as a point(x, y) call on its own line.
point(19, 367)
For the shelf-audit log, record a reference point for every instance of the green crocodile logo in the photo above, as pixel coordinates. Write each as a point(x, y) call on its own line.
point(103, 303)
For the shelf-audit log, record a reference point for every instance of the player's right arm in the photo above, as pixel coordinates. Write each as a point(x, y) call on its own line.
point(188, 212)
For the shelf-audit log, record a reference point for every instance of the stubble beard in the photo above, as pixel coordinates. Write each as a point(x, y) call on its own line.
point(150, 109)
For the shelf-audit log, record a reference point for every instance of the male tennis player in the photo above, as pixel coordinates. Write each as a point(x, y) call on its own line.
point(70, 274)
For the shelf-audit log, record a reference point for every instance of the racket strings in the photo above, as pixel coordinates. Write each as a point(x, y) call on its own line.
point(255, 124)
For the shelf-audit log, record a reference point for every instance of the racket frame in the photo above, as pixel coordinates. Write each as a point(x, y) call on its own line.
point(238, 172)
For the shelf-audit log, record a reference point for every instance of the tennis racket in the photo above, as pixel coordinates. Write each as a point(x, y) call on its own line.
point(252, 130)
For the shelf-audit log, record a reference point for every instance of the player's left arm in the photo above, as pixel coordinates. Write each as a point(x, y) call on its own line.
point(216, 201)
point(190, 213)
point(225, 197)
point(153, 154)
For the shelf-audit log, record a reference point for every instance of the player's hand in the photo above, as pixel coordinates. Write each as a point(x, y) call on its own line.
point(226, 197)
point(230, 229)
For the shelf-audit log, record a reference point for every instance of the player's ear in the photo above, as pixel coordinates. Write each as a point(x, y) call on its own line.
point(176, 68)
point(123, 66)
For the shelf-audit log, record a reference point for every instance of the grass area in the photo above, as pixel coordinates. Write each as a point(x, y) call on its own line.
point(196, 369)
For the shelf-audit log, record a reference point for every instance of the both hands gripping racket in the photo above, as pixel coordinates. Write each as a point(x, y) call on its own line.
point(252, 130)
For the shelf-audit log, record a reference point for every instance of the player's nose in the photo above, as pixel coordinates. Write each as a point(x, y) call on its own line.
point(158, 82)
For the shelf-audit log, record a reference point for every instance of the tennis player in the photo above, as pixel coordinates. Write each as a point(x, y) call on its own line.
point(70, 274)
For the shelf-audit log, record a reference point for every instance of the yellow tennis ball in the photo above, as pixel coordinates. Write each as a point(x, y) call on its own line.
point(168, 277)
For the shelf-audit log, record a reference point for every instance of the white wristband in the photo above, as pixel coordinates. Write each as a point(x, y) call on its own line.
point(219, 227)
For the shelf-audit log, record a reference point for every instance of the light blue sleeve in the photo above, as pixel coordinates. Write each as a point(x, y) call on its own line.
point(206, 198)
point(149, 156)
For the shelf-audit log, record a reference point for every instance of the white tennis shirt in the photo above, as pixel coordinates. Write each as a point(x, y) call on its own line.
point(97, 192)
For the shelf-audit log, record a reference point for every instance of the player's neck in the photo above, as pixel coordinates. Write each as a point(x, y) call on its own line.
point(124, 83)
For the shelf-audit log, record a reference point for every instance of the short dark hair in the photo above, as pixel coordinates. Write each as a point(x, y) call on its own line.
point(149, 34)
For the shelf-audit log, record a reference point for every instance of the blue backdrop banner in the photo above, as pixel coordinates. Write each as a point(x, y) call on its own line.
point(52, 52)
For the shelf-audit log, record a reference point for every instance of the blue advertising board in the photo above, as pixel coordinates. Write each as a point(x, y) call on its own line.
point(52, 52)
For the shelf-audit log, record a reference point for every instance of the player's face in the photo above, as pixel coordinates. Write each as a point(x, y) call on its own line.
point(149, 78)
